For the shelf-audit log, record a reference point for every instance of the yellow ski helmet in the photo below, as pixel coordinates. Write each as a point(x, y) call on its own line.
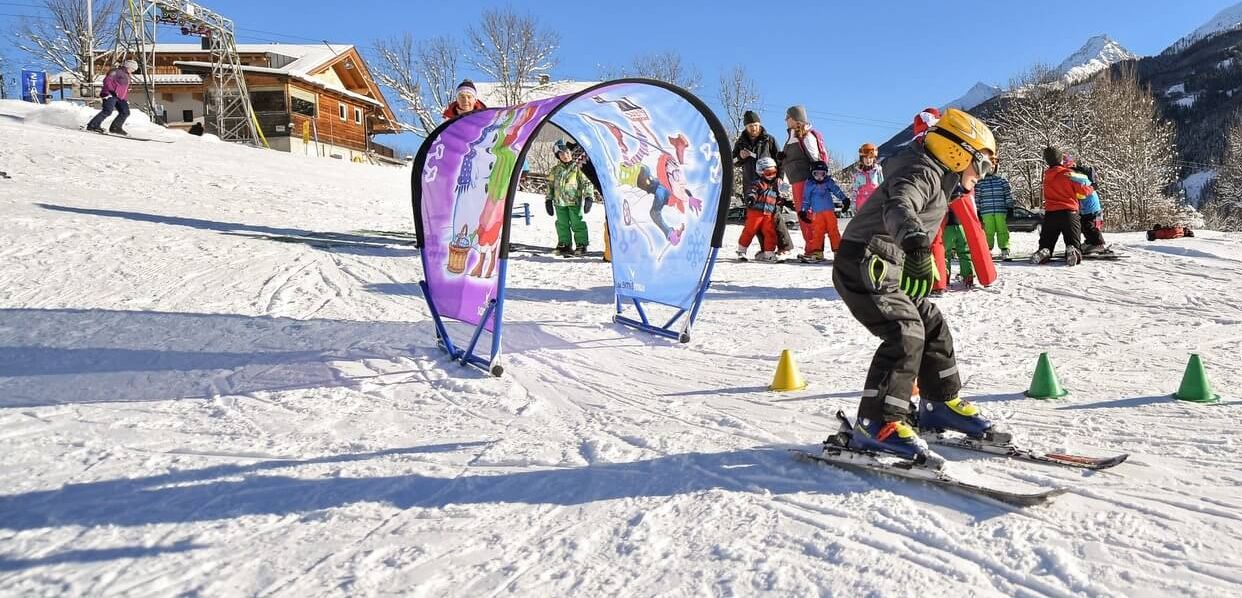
point(959, 139)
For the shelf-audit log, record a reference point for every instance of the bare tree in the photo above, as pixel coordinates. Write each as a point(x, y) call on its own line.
point(738, 93)
point(421, 74)
point(662, 66)
point(1223, 210)
point(1031, 116)
point(513, 50)
point(1110, 123)
point(437, 61)
point(60, 39)
point(1132, 148)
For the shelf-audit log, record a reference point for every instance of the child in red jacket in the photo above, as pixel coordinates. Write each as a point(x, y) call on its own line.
point(1064, 188)
point(762, 200)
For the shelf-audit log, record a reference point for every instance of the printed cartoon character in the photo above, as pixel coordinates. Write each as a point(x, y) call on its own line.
point(492, 217)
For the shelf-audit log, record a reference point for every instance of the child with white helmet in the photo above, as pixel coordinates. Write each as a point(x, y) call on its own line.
point(762, 200)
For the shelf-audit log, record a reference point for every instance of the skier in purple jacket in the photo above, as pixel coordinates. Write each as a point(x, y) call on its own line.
point(115, 96)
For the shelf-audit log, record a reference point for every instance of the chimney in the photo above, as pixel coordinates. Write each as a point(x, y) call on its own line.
point(544, 78)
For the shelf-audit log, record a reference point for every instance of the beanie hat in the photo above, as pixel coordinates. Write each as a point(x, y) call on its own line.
point(925, 120)
point(130, 65)
point(1053, 156)
point(819, 166)
point(467, 85)
point(797, 113)
point(750, 117)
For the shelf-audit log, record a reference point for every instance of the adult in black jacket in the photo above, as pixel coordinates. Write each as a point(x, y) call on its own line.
point(752, 144)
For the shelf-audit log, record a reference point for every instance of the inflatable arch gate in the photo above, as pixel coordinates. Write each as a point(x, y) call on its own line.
point(662, 160)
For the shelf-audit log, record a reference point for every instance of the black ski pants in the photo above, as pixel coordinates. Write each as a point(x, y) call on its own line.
point(915, 339)
point(1091, 233)
point(1062, 223)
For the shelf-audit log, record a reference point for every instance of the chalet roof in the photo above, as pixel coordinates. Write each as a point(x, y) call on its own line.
point(159, 79)
point(303, 58)
point(291, 74)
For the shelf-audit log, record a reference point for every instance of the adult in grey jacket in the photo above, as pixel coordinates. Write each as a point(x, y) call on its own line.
point(884, 272)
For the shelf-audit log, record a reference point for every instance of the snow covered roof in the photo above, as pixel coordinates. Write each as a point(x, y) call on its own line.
point(293, 75)
point(158, 79)
point(300, 58)
point(490, 93)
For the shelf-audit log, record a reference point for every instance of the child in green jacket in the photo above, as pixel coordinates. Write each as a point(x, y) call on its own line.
point(570, 194)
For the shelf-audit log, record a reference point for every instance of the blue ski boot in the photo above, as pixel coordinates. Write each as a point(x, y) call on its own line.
point(893, 438)
point(958, 415)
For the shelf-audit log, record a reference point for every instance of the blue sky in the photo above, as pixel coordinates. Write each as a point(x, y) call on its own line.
point(862, 68)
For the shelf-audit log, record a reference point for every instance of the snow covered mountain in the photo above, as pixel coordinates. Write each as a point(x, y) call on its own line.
point(978, 94)
point(1097, 54)
point(1226, 20)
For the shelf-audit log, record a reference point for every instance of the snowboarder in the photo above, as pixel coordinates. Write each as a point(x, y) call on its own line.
point(115, 94)
point(884, 272)
point(1063, 190)
point(762, 200)
point(818, 210)
point(467, 101)
point(994, 201)
point(569, 196)
point(869, 175)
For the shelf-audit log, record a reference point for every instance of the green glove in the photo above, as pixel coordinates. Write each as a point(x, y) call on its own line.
point(918, 271)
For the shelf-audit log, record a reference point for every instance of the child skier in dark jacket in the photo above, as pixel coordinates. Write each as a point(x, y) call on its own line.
point(818, 210)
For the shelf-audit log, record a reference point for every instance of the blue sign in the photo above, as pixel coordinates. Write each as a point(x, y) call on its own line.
point(34, 86)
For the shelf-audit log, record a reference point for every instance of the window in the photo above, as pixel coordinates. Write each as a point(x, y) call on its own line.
point(268, 101)
point(187, 116)
point(358, 115)
point(303, 102)
point(341, 108)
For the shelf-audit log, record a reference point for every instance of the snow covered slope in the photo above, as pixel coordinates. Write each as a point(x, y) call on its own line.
point(217, 377)
point(1096, 55)
point(1227, 19)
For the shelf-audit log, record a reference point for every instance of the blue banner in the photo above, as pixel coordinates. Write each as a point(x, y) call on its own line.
point(34, 86)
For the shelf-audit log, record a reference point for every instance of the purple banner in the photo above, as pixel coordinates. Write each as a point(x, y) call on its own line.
point(465, 181)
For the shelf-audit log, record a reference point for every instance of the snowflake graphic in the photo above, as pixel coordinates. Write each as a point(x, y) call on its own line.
point(696, 250)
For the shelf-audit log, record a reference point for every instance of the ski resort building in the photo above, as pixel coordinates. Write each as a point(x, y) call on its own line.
point(313, 99)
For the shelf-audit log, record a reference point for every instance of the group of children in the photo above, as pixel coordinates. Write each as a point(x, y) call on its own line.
point(1072, 207)
point(814, 194)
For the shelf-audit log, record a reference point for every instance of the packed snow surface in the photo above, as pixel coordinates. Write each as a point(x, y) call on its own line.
point(219, 378)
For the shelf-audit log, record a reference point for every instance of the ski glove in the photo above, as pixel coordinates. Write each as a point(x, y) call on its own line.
point(586, 205)
point(805, 216)
point(548, 206)
point(918, 271)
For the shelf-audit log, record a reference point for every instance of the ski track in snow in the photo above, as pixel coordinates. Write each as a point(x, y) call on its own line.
point(228, 367)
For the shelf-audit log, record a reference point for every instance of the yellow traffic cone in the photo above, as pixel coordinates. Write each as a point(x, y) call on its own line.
point(787, 375)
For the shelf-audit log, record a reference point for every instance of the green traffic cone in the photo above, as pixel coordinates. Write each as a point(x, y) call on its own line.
point(1195, 386)
point(1045, 385)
